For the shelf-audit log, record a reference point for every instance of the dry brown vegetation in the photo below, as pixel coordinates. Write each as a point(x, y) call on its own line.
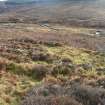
point(75, 94)
point(51, 62)
point(72, 73)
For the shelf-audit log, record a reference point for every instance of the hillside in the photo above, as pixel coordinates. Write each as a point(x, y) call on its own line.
point(52, 53)
point(73, 12)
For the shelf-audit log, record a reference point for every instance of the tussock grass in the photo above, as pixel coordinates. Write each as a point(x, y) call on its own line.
point(52, 63)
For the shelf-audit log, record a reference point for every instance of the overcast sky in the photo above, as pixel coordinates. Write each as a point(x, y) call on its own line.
point(90, 2)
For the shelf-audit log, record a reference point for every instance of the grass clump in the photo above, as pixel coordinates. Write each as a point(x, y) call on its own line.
point(62, 70)
point(16, 69)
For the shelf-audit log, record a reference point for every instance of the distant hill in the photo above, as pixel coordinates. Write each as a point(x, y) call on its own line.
point(70, 12)
point(10, 5)
point(19, 2)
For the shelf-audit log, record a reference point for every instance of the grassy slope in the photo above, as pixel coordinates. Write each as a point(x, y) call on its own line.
point(26, 62)
point(15, 80)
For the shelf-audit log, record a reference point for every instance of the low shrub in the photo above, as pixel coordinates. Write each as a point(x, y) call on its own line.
point(89, 95)
point(85, 94)
point(38, 72)
point(63, 70)
point(48, 95)
point(60, 100)
point(52, 44)
point(42, 56)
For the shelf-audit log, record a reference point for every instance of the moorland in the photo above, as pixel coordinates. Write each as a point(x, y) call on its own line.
point(52, 53)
